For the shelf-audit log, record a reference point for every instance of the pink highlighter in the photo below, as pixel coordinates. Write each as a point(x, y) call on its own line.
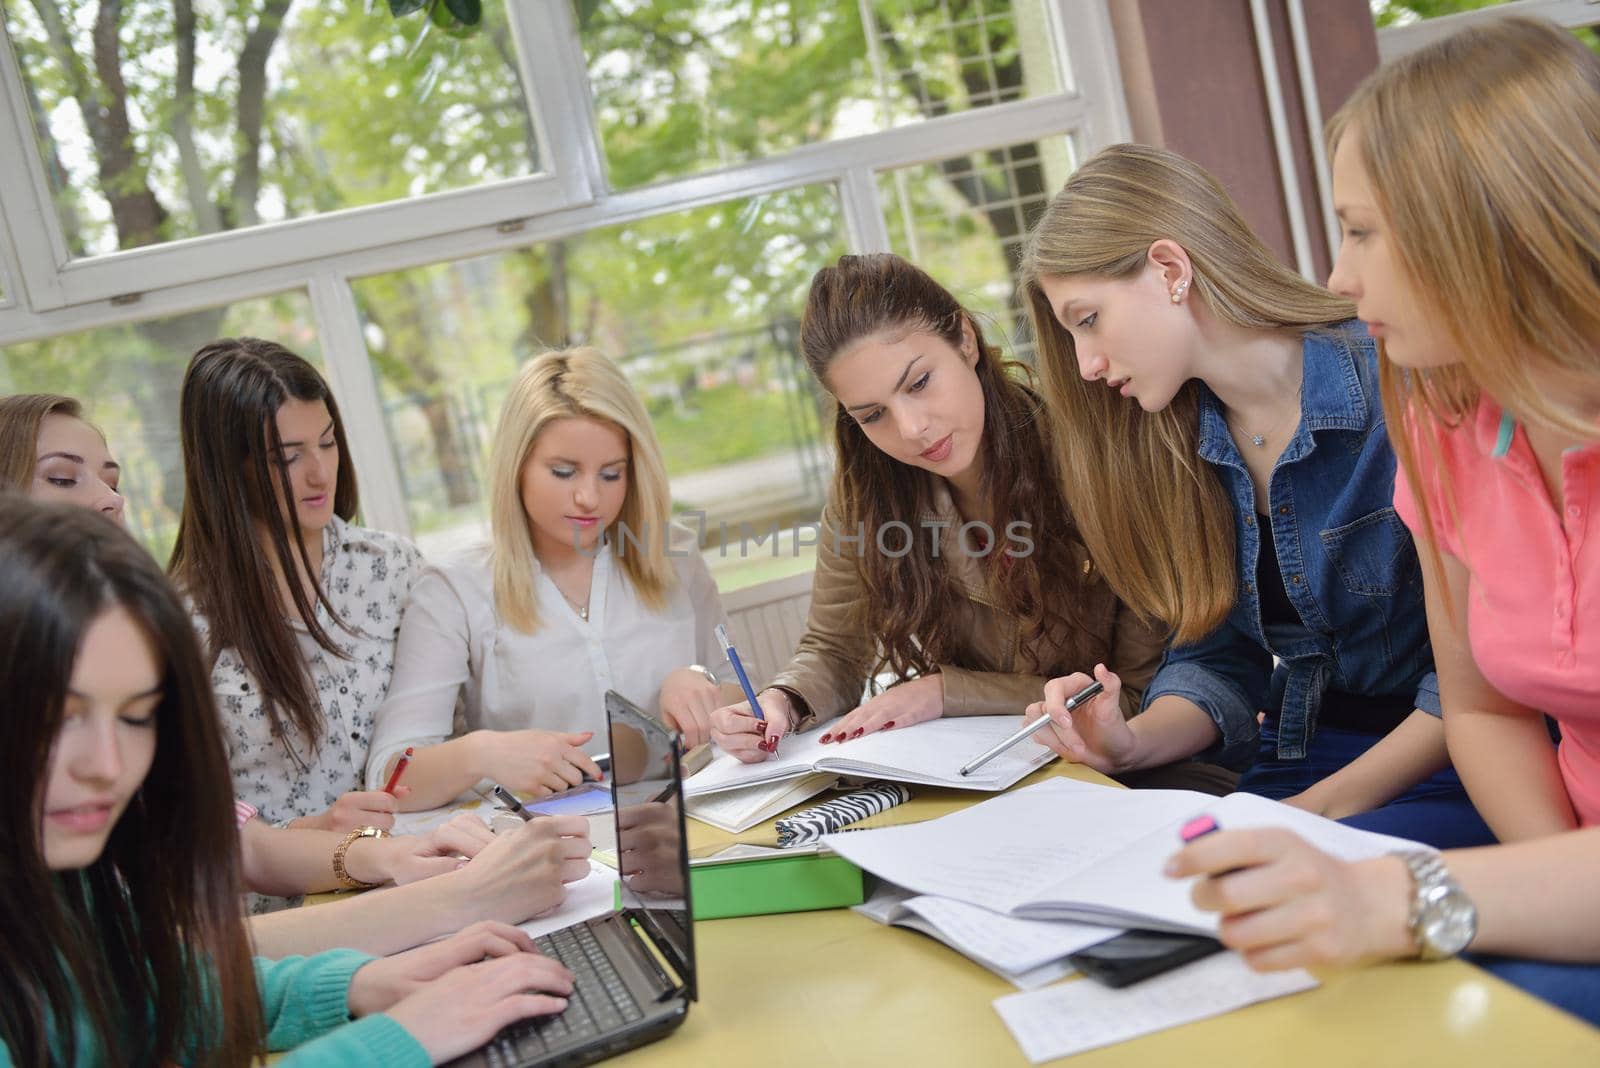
point(1199, 827)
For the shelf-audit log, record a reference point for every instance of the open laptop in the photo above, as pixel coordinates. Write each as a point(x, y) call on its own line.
point(634, 968)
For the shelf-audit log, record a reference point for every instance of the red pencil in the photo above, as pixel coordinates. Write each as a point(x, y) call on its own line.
point(399, 766)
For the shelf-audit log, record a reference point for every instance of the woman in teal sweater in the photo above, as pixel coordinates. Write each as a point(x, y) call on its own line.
point(120, 925)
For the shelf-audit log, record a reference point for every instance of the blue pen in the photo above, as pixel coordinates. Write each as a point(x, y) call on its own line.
point(738, 669)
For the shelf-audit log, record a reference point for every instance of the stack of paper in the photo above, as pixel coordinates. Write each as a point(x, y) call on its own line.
point(1025, 953)
point(1067, 850)
point(740, 809)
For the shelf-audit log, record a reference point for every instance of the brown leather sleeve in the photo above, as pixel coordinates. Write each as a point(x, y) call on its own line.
point(988, 693)
point(828, 671)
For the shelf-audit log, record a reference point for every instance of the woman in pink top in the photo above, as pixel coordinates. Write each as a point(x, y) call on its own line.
point(1467, 180)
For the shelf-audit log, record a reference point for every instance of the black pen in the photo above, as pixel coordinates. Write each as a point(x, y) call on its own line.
point(509, 800)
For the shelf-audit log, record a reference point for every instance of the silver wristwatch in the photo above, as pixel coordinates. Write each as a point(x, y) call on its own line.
point(710, 676)
point(1442, 919)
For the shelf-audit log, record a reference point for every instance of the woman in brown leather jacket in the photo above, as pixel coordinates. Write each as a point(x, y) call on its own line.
point(947, 557)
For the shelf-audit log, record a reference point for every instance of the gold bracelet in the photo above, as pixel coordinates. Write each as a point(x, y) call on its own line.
point(339, 872)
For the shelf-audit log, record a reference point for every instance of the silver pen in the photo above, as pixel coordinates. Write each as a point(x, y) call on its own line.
point(1028, 731)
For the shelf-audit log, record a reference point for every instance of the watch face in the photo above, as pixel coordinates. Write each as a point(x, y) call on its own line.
point(1449, 922)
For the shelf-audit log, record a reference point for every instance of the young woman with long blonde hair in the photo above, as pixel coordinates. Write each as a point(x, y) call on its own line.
point(1217, 421)
point(585, 586)
point(1467, 181)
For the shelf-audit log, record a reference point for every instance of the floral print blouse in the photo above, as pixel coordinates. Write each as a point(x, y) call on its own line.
point(366, 575)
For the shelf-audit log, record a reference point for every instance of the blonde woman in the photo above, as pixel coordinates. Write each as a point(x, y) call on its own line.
point(1217, 420)
point(585, 586)
point(1467, 181)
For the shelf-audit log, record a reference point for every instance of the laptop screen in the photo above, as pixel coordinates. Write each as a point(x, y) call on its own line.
point(652, 853)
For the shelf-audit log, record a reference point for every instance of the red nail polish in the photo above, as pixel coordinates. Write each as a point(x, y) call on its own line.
point(824, 739)
point(886, 726)
point(859, 732)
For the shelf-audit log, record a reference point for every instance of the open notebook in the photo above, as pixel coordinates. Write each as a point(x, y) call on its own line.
point(1026, 953)
point(742, 808)
point(1067, 850)
point(930, 753)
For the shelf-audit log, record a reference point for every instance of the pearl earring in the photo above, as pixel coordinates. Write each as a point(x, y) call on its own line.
point(1178, 291)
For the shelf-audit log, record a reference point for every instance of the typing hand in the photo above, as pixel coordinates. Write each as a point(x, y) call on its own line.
point(541, 763)
point(898, 706)
point(737, 731)
point(464, 1008)
point(381, 983)
point(523, 873)
point(687, 701)
point(1093, 734)
point(1286, 904)
point(358, 808)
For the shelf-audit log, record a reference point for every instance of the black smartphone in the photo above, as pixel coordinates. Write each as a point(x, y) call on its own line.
point(1135, 955)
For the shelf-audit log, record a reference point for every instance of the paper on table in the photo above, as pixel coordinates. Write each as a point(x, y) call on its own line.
point(432, 818)
point(742, 808)
point(593, 895)
point(1003, 853)
point(1026, 953)
point(1012, 945)
point(1073, 1017)
point(931, 753)
point(1062, 849)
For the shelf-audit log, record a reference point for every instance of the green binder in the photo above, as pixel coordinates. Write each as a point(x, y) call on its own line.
point(756, 886)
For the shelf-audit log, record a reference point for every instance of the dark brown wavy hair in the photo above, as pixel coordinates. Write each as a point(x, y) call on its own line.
point(146, 943)
point(233, 486)
point(905, 599)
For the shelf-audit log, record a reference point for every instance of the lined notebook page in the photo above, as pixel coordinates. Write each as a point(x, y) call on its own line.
point(931, 753)
point(1069, 1018)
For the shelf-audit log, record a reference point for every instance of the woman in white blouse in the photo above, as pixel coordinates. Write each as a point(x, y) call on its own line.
point(585, 587)
point(298, 606)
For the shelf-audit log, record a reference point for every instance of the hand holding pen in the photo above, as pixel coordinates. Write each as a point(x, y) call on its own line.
point(751, 731)
point(1093, 733)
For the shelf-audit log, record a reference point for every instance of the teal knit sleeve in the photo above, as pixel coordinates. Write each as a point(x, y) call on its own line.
point(305, 1003)
point(370, 1040)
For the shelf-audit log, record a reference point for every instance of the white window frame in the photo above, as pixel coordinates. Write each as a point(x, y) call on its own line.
point(56, 278)
point(321, 255)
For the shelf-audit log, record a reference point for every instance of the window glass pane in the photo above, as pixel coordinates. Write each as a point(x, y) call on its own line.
point(249, 115)
point(700, 308)
point(689, 85)
point(963, 221)
point(128, 379)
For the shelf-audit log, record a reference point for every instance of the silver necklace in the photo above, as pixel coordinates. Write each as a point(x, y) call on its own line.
point(1260, 440)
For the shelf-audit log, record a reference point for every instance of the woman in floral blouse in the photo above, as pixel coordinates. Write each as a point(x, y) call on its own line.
point(299, 607)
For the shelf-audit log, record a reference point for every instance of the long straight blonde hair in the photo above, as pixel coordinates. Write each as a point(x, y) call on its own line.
point(1483, 151)
point(576, 383)
point(1154, 516)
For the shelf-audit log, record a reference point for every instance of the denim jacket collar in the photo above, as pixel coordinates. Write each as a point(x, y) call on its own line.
point(1331, 398)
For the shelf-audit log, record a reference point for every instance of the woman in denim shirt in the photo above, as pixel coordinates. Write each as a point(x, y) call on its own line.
point(1276, 557)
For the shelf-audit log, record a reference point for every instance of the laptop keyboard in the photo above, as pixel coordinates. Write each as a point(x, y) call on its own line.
point(600, 1002)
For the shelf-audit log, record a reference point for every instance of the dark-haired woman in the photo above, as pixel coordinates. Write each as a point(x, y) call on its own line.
point(119, 925)
point(947, 556)
point(299, 606)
